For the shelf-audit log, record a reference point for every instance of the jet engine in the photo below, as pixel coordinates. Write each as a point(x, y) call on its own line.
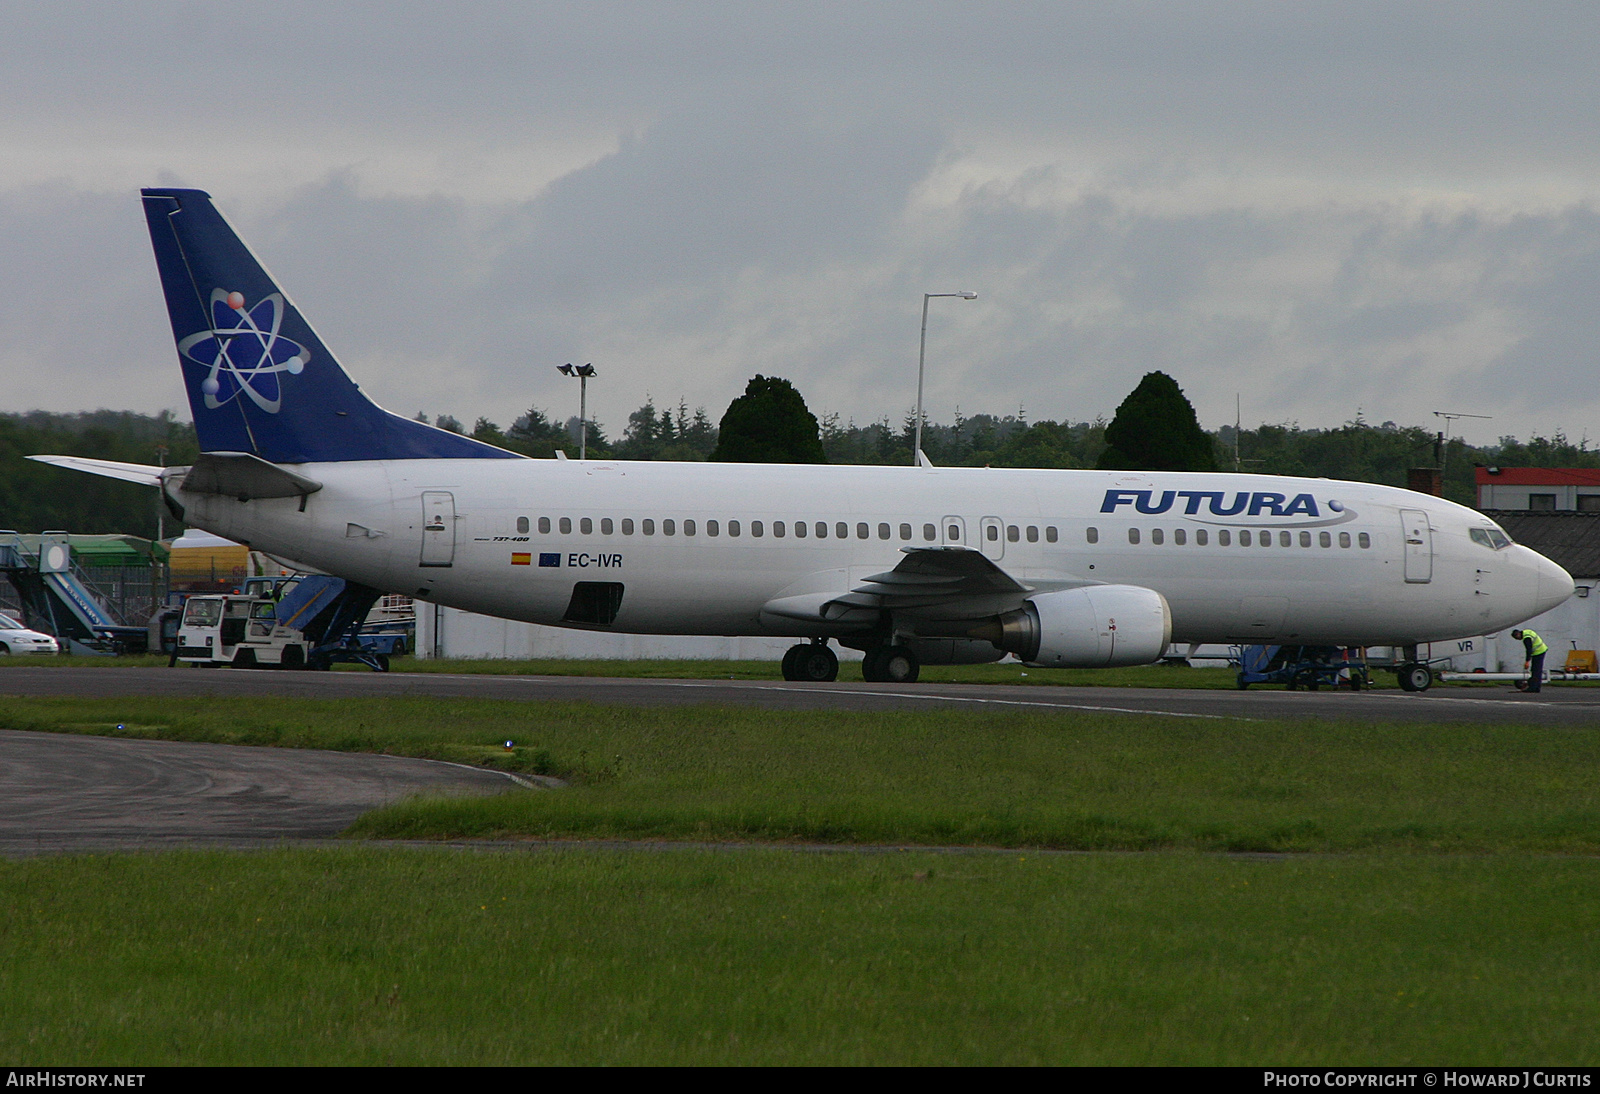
point(1097, 626)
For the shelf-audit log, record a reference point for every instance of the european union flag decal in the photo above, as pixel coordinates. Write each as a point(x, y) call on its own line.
point(549, 558)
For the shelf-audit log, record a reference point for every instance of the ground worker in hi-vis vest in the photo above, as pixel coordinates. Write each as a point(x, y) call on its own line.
point(1534, 645)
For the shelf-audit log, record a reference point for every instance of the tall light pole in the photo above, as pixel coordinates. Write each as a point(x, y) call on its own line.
point(582, 372)
point(922, 355)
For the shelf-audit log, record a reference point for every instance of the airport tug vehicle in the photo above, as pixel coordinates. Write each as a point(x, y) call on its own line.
point(300, 622)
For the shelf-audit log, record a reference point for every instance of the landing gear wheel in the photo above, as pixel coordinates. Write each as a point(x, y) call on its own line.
point(791, 661)
point(900, 665)
point(816, 664)
point(1415, 677)
point(890, 665)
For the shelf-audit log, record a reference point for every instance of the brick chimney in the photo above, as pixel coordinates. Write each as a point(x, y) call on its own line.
point(1425, 480)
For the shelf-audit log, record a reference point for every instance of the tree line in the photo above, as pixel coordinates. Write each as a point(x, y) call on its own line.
point(1154, 429)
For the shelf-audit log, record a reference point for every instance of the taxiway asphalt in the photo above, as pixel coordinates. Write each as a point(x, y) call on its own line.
point(1572, 706)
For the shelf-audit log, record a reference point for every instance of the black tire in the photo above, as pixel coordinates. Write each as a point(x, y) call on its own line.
point(244, 659)
point(899, 665)
point(818, 665)
point(791, 661)
point(1294, 682)
point(383, 662)
point(1415, 677)
point(294, 657)
point(872, 665)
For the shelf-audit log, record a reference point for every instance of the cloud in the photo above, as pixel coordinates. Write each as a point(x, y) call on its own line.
point(1319, 206)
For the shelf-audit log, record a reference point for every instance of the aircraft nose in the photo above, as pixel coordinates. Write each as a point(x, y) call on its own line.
point(1555, 584)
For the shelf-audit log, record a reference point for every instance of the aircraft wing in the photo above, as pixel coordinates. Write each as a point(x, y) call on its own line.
point(928, 577)
point(111, 469)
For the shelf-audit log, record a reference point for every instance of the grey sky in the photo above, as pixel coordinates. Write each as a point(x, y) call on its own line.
point(1322, 207)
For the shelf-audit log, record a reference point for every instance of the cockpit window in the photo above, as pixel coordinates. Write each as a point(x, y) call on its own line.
point(1492, 538)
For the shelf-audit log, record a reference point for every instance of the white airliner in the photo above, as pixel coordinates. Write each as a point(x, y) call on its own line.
point(913, 565)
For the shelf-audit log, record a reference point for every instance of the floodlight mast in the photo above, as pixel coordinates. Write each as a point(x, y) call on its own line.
point(922, 354)
point(582, 372)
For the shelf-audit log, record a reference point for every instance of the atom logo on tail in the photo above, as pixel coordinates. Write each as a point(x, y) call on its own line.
point(244, 352)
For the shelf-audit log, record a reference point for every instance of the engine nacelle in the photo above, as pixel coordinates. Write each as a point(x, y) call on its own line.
point(1097, 626)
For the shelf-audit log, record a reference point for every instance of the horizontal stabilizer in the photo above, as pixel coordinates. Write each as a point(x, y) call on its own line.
point(243, 476)
point(111, 469)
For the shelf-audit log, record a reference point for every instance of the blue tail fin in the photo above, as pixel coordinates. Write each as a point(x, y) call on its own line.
point(259, 379)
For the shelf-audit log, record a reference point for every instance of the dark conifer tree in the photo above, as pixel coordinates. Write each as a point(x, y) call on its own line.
point(1155, 429)
point(769, 423)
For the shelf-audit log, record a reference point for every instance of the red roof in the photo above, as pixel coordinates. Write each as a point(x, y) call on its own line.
point(1539, 476)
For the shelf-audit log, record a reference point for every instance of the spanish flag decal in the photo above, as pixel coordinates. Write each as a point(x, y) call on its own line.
point(521, 558)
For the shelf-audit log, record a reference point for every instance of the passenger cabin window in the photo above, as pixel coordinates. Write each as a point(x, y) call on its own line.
point(930, 533)
point(799, 529)
point(712, 528)
point(669, 527)
point(777, 528)
point(1324, 539)
point(1344, 539)
point(688, 528)
point(606, 526)
point(1133, 535)
point(627, 526)
point(1033, 533)
point(1224, 537)
point(522, 526)
point(756, 529)
point(1200, 537)
point(586, 526)
point(1156, 536)
point(1092, 535)
point(649, 526)
point(566, 526)
point(1179, 536)
point(883, 531)
point(841, 530)
point(1365, 540)
point(1050, 534)
point(905, 531)
point(733, 528)
point(992, 533)
point(1305, 539)
point(1284, 539)
point(544, 526)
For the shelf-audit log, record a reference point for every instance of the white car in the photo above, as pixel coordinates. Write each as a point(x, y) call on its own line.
point(15, 638)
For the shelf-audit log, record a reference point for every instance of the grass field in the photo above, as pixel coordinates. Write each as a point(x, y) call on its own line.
point(423, 957)
point(1450, 913)
point(1021, 778)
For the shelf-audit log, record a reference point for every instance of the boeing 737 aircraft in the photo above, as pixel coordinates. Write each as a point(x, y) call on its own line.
point(909, 564)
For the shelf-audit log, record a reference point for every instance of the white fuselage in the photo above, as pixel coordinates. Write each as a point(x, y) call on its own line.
point(1337, 567)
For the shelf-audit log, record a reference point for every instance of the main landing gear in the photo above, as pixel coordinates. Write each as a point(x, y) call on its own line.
point(890, 665)
point(810, 661)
